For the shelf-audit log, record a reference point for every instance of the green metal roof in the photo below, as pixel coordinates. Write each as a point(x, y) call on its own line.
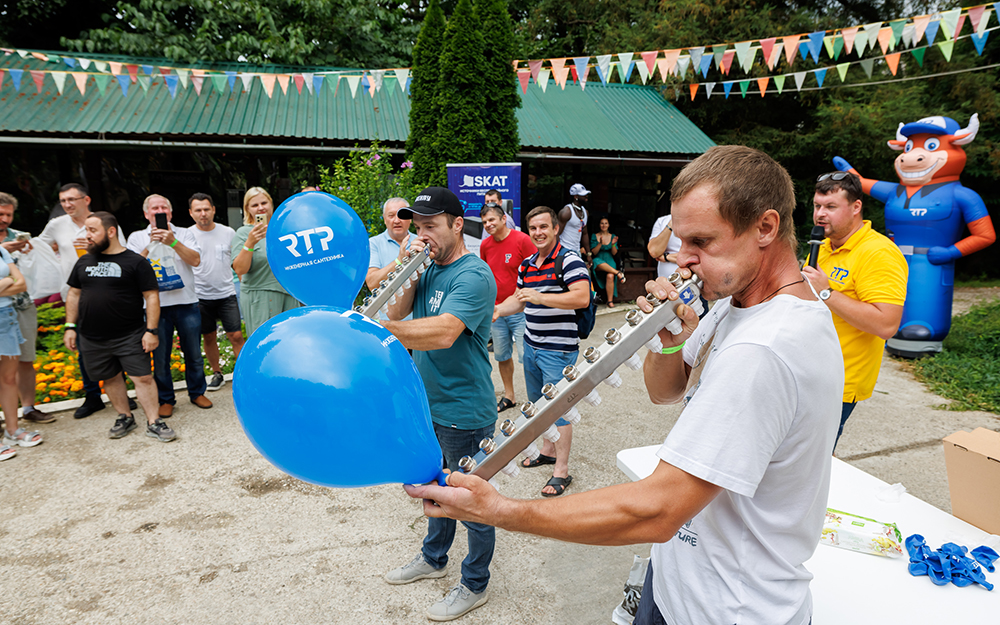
point(608, 118)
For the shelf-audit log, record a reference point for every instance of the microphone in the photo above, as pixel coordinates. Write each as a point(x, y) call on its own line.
point(815, 240)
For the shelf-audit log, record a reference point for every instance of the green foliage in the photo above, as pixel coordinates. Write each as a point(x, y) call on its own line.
point(968, 370)
point(499, 82)
point(424, 107)
point(366, 179)
point(352, 33)
point(461, 135)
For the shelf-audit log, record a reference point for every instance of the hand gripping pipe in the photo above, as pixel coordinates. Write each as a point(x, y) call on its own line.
point(579, 381)
point(398, 279)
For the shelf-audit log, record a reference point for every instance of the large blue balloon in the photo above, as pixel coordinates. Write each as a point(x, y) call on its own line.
point(317, 247)
point(331, 397)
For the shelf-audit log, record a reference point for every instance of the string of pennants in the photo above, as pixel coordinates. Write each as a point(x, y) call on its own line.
point(700, 59)
point(127, 74)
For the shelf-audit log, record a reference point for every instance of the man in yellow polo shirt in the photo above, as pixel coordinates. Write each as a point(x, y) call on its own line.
point(862, 279)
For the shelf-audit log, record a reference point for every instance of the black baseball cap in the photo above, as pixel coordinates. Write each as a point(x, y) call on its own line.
point(433, 201)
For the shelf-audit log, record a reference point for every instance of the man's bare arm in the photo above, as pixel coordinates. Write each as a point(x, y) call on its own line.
point(428, 333)
point(879, 319)
point(657, 245)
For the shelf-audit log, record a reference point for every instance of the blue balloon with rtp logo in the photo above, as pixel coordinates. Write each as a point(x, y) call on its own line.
point(317, 247)
point(332, 398)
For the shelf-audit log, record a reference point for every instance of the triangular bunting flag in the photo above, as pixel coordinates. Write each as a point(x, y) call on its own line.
point(975, 13)
point(580, 63)
point(775, 56)
point(849, 35)
point(523, 75)
point(949, 20)
point(376, 77)
point(803, 49)
point(727, 87)
point(164, 71)
point(299, 81)
point(871, 31)
point(907, 36)
point(81, 82)
point(892, 60)
point(727, 61)
point(762, 85)
point(84, 63)
point(247, 80)
point(144, 82)
point(718, 52)
point(867, 65)
point(314, 83)
point(694, 89)
point(183, 74)
point(696, 54)
point(860, 42)
point(766, 46)
point(919, 26)
point(333, 81)
point(961, 22)
point(918, 53)
point(706, 64)
point(604, 67)
point(661, 65)
point(402, 75)
point(984, 22)
point(268, 81)
point(102, 81)
point(779, 82)
point(353, 82)
point(979, 41)
point(534, 67)
point(800, 77)
point(170, 80)
point(543, 79)
point(133, 71)
point(219, 82)
point(884, 39)
point(197, 80)
point(791, 45)
point(744, 85)
point(820, 76)
point(828, 44)
point(708, 89)
point(23, 53)
point(744, 56)
point(70, 62)
point(643, 71)
point(682, 65)
point(669, 62)
point(147, 69)
point(842, 70)
point(625, 60)
point(116, 68)
point(283, 81)
point(39, 77)
point(649, 58)
point(559, 72)
point(231, 79)
point(896, 27)
point(838, 47)
point(932, 30)
point(946, 48)
point(124, 81)
point(60, 79)
point(39, 56)
point(816, 44)
point(15, 75)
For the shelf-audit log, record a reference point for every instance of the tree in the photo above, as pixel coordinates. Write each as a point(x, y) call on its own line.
point(41, 24)
point(424, 111)
point(499, 81)
point(461, 135)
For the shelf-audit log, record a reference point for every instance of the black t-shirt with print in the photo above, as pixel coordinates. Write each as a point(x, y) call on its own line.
point(111, 288)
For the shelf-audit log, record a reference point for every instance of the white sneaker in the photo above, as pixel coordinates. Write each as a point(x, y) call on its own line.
point(458, 602)
point(416, 569)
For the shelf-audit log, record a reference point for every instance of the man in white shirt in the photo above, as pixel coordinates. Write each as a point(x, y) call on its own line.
point(738, 498)
point(663, 246)
point(178, 301)
point(213, 283)
point(68, 237)
point(573, 222)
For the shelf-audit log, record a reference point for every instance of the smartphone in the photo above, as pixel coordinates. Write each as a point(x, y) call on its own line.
point(24, 236)
point(161, 221)
point(260, 218)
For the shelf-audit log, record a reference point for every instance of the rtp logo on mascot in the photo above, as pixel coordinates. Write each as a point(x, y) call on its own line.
point(926, 214)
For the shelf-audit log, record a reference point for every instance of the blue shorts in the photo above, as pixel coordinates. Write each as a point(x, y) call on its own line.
point(507, 331)
point(543, 366)
point(10, 333)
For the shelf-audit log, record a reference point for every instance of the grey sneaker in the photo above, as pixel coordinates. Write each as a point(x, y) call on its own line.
point(416, 569)
point(161, 431)
point(216, 382)
point(123, 425)
point(458, 602)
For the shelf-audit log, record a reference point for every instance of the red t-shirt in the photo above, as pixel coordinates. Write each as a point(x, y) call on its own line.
point(504, 258)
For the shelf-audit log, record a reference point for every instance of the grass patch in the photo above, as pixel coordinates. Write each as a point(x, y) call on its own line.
point(978, 283)
point(968, 370)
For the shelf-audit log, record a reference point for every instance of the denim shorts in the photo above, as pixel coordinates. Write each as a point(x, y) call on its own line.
point(543, 366)
point(10, 333)
point(506, 332)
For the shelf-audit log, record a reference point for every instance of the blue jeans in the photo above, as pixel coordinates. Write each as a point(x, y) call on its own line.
point(456, 443)
point(845, 413)
point(186, 318)
point(508, 332)
point(543, 366)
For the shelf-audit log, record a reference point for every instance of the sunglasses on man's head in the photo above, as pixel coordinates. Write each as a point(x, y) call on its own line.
point(836, 176)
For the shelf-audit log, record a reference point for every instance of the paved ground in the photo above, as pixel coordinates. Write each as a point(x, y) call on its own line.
point(204, 530)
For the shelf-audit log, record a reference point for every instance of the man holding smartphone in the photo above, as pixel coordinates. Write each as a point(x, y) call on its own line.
point(178, 300)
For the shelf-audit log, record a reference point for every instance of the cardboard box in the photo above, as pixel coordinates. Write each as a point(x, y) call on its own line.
point(973, 461)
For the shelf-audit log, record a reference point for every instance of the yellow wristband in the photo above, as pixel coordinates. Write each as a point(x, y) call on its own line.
point(174, 244)
point(672, 350)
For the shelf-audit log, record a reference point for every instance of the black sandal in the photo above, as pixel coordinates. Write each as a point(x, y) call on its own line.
point(558, 483)
point(537, 462)
point(504, 404)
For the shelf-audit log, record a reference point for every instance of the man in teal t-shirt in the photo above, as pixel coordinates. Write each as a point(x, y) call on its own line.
point(452, 307)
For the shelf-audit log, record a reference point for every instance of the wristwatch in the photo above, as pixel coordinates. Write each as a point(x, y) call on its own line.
point(825, 294)
point(153, 331)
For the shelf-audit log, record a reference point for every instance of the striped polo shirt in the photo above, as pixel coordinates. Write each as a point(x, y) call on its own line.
point(553, 329)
